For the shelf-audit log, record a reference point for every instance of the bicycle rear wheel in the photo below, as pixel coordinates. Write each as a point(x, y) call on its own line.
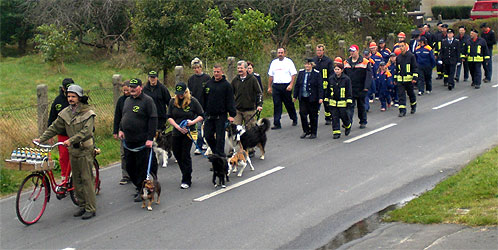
point(32, 198)
point(95, 175)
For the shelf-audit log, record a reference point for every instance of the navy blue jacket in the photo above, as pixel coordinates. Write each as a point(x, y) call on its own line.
point(314, 86)
point(425, 56)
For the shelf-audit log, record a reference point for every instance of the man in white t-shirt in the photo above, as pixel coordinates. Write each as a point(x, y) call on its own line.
point(282, 74)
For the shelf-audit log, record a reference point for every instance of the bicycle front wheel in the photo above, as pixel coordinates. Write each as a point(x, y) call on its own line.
point(32, 199)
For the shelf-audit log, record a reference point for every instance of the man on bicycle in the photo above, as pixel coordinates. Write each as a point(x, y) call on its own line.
point(77, 120)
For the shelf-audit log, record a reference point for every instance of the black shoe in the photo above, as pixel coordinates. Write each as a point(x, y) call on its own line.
point(413, 110)
point(294, 123)
point(337, 136)
point(347, 131)
point(124, 181)
point(465, 79)
point(312, 136)
point(485, 80)
point(304, 135)
point(327, 122)
point(456, 80)
point(137, 198)
point(401, 114)
point(450, 87)
point(79, 212)
point(472, 84)
point(477, 86)
point(276, 127)
point(88, 215)
point(362, 126)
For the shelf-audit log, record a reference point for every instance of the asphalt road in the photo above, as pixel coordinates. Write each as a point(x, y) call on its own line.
point(322, 187)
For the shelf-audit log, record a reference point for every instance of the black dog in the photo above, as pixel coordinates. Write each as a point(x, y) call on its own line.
point(220, 169)
point(255, 136)
point(162, 147)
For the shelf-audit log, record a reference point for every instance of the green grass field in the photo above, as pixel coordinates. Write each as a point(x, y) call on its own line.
point(469, 197)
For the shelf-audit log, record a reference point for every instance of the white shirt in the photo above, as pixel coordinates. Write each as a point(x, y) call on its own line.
point(282, 71)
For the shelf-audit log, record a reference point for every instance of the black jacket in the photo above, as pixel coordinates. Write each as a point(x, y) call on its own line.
point(196, 84)
point(161, 97)
point(407, 68)
point(314, 85)
point(360, 74)
point(60, 102)
point(450, 53)
point(490, 39)
point(218, 98)
point(118, 113)
point(325, 66)
point(338, 92)
point(476, 51)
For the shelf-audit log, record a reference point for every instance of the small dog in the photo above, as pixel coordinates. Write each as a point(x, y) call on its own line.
point(162, 147)
point(241, 158)
point(220, 170)
point(149, 188)
point(254, 136)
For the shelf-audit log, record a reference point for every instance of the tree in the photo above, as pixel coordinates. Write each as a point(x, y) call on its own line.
point(162, 30)
point(55, 44)
point(13, 28)
point(96, 23)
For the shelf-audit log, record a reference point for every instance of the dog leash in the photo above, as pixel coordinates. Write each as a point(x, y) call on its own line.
point(183, 124)
point(138, 149)
point(258, 113)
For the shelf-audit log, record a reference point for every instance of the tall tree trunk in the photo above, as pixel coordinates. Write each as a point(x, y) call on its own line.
point(165, 76)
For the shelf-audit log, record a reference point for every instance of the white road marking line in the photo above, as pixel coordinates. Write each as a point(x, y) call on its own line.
point(238, 184)
point(449, 103)
point(370, 133)
point(494, 86)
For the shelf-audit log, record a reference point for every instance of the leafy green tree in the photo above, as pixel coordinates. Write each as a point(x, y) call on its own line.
point(55, 44)
point(162, 30)
point(210, 38)
point(12, 25)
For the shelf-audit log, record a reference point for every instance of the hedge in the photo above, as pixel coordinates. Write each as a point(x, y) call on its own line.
point(452, 12)
point(492, 22)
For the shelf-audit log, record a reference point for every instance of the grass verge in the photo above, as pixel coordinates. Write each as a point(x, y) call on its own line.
point(469, 197)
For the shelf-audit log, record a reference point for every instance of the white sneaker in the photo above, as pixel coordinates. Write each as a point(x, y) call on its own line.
point(204, 147)
point(184, 186)
point(197, 152)
point(419, 93)
point(396, 105)
point(370, 101)
point(428, 92)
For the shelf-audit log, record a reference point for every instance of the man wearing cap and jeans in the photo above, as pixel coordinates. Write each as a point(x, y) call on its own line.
point(360, 72)
point(282, 74)
point(160, 94)
point(60, 102)
point(137, 130)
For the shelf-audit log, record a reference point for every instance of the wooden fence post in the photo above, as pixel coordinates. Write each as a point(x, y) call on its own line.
point(178, 74)
point(309, 52)
point(342, 49)
point(390, 40)
point(42, 108)
point(273, 54)
point(116, 88)
point(368, 39)
point(231, 68)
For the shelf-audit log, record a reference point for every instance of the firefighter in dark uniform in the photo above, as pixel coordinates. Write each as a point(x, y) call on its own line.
point(476, 51)
point(464, 39)
point(326, 67)
point(339, 95)
point(450, 55)
point(489, 36)
point(405, 77)
point(437, 49)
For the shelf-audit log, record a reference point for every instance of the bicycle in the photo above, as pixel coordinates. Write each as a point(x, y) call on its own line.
point(34, 192)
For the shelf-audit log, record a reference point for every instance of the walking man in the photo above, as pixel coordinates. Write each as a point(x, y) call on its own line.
point(464, 39)
point(248, 96)
point(405, 77)
point(359, 70)
point(426, 62)
point(137, 130)
point(282, 74)
point(450, 55)
point(489, 36)
point(118, 114)
point(160, 94)
point(326, 67)
point(476, 51)
point(196, 84)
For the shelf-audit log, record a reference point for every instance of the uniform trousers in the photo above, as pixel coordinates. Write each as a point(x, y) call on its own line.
point(339, 113)
point(475, 72)
point(358, 101)
point(406, 88)
point(449, 74)
point(424, 78)
point(309, 109)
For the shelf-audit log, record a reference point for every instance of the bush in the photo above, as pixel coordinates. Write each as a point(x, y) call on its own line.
point(452, 12)
point(492, 22)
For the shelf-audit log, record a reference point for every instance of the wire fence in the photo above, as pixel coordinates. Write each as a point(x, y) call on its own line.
point(18, 126)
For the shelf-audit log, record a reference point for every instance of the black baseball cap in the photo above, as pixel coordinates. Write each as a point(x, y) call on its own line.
point(444, 25)
point(483, 25)
point(66, 82)
point(308, 60)
point(180, 88)
point(152, 73)
point(451, 31)
point(135, 82)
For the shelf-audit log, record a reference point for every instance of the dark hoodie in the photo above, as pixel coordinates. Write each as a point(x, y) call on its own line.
point(60, 102)
point(218, 98)
point(160, 95)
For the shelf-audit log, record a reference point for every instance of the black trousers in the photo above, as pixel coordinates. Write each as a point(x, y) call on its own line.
point(449, 74)
point(424, 79)
point(406, 88)
point(358, 101)
point(309, 109)
point(475, 72)
point(182, 145)
point(212, 126)
point(137, 163)
point(439, 69)
point(281, 95)
point(339, 113)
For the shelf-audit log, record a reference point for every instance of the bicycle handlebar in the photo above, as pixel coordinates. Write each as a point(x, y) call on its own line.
point(47, 146)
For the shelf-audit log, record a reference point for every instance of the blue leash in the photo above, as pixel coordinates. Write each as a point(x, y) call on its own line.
point(183, 124)
point(138, 149)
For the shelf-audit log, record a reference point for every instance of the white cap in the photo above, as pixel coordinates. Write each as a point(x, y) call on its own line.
point(75, 89)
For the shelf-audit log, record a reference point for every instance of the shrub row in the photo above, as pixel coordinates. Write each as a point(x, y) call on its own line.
point(492, 22)
point(452, 12)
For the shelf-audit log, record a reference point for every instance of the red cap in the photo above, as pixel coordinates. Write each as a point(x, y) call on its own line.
point(402, 34)
point(373, 45)
point(338, 60)
point(354, 47)
point(397, 51)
